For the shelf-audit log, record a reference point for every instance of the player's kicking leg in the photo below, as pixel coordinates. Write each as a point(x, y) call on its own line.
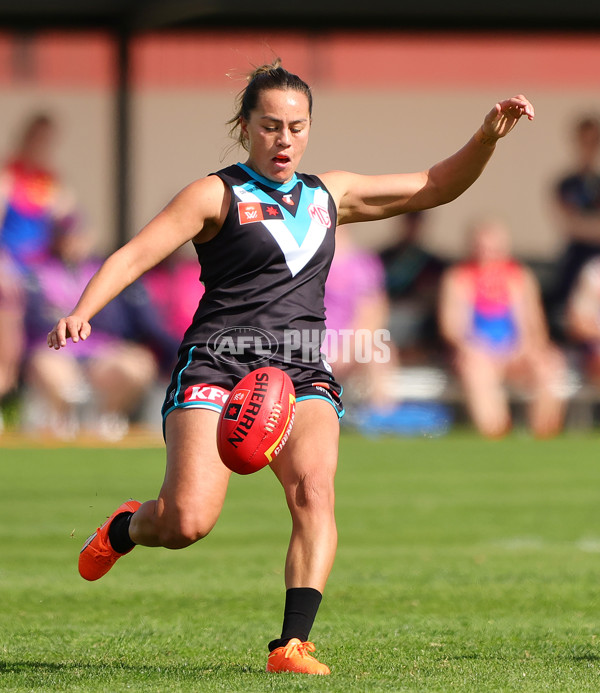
point(187, 508)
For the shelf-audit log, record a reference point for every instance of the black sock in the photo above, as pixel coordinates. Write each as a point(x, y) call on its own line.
point(301, 606)
point(118, 533)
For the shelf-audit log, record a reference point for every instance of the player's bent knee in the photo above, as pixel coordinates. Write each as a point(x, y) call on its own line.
point(182, 534)
point(309, 495)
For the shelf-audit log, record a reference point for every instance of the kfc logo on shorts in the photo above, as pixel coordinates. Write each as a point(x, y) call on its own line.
point(207, 394)
point(320, 215)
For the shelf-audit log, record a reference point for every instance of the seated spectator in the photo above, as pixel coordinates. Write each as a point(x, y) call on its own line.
point(103, 380)
point(577, 197)
point(175, 291)
point(32, 197)
point(32, 200)
point(361, 352)
point(412, 276)
point(583, 317)
point(12, 301)
point(490, 313)
point(357, 344)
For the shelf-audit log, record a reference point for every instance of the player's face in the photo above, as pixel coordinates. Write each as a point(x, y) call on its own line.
point(277, 133)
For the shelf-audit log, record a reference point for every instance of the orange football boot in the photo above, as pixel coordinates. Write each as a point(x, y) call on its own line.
point(97, 556)
point(295, 657)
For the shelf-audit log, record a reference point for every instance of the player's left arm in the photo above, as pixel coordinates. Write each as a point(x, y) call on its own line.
point(366, 198)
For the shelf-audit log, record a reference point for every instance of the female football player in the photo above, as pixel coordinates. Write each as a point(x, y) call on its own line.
point(264, 235)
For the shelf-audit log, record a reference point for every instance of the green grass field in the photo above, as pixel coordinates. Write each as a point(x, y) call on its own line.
point(463, 565)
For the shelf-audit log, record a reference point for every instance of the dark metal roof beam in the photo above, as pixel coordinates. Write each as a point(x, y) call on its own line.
point(146, 15)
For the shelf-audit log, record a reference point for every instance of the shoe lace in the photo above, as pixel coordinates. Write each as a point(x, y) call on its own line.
point(102, 554)
point(302, 648)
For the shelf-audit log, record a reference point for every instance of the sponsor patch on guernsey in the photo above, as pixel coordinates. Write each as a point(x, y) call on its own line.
point(251, 212)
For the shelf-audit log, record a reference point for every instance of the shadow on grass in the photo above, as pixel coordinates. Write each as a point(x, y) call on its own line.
point(587, 657)
point(172, 670)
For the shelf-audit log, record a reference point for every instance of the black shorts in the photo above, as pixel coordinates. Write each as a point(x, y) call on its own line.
point(200, 382)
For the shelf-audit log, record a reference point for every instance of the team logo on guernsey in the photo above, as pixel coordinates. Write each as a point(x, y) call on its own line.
point(320, 215)
point(251, 212)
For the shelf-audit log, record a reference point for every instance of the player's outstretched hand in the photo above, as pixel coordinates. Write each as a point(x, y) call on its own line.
point(72, 327)
point(504, 116)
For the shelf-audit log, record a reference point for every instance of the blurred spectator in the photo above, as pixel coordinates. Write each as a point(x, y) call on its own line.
point(578, 207)
point(11, 326)
point(357, 343)
point(103, 379)
point(412, 276)
point(491, 314)
point(583, 317)
point(32, 200)
point(355, 299)
point(175, 291)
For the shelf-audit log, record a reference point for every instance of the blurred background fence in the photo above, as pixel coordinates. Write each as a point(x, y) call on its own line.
point(384, 101)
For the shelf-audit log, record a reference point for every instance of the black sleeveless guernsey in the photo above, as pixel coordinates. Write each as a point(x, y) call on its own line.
point(264, 276)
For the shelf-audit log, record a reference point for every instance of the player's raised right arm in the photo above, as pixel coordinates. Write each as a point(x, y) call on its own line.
point(197, 211)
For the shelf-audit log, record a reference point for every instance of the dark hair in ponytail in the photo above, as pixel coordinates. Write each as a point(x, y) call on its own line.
point(271, 76)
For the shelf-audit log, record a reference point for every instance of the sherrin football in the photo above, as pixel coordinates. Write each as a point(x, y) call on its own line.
point(256, 420)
